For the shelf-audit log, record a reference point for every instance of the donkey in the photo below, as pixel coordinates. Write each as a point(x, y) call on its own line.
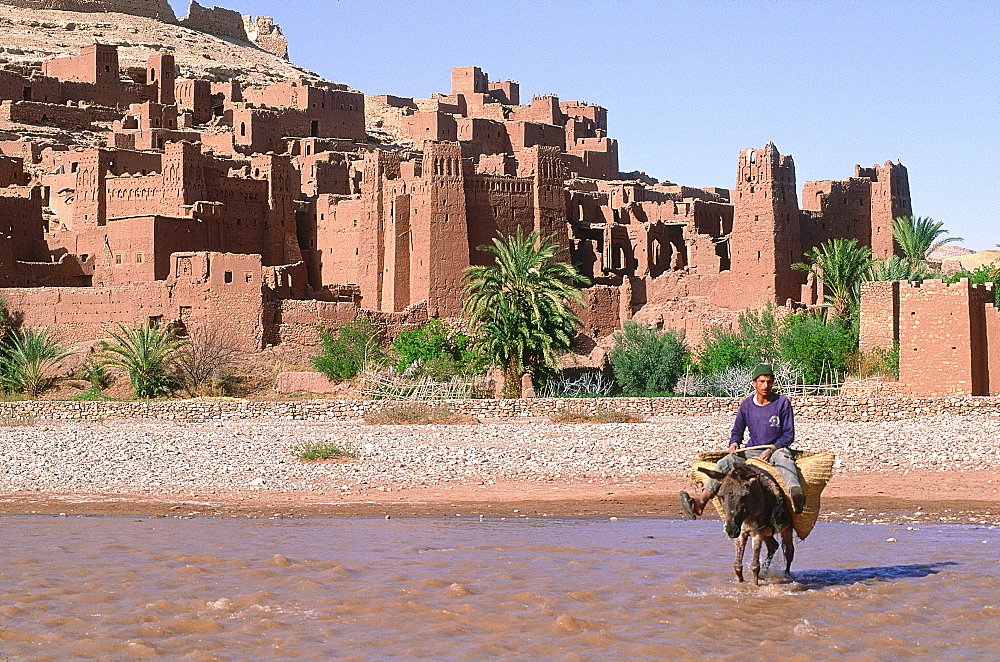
point(753, 506)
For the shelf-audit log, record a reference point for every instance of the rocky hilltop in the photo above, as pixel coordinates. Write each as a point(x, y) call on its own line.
point(38, 30)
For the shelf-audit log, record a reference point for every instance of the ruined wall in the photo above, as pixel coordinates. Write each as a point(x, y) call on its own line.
point(299, 321)
point(215, 20)
point(430, 125)
point(204, 289)
point(158, 9)
point(843, 209)
point(21, 223)
point(528, 134)
point(45, 114)
point(12, 172)
point(265, 33)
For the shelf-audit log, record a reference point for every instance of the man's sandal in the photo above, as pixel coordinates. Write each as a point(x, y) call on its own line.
point(687, 505)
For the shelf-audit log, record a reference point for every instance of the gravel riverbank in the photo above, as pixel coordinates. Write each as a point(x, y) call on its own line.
point(153, 457)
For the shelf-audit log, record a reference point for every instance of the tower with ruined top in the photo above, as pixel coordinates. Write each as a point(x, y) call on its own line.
point(765, 240)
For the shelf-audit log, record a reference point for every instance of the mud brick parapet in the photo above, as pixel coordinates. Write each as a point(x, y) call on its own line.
point(819, 407)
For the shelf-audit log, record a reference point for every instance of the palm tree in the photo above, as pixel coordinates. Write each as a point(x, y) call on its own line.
point(918, 237)
point(519, 308)
point(896, 268)
point(841, 264)
point(146, 353)
point(27, 357)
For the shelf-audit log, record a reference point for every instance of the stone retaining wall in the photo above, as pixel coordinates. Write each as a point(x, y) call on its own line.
point(825, 407)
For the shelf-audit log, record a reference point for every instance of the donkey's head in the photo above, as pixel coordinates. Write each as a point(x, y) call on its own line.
point(741, 495)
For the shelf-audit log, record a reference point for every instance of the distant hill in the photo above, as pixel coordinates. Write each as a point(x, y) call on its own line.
point(949, 250)
point(970, 260)
point(28, 36)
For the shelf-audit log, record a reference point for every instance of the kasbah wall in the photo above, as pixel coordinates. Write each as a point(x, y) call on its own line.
point(267, 211)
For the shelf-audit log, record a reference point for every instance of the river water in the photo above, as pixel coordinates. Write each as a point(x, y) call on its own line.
point(203, 589)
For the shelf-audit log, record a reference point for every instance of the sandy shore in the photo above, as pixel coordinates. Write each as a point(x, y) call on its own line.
point(924, 470)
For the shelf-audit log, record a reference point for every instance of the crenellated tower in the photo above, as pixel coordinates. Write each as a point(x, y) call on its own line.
point(890, 198)
point(440, 231)
point(765, 240)
point(545, 166)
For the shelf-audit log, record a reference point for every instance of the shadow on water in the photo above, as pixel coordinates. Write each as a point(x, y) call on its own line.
point(826, 578)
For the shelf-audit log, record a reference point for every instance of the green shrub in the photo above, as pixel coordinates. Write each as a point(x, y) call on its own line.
point(323, 450)
point(27, 357)
point(429, 343)
point(721, 351)
point(349, 350)
point(92, 394)
point(822, 349)
point(756, 341)
point(147, 353)
point(647, 361)
point(880, 361)
point(97, 374)
point(760, 331)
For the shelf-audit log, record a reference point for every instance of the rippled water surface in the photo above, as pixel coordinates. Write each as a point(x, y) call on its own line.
point(432, 589)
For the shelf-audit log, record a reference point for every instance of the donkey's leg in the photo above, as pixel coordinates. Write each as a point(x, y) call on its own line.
point(772, 547)
point(788, 549)
point(741, 545)
point(755, 561)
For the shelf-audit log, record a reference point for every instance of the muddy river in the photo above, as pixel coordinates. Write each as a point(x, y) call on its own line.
point(204, 589)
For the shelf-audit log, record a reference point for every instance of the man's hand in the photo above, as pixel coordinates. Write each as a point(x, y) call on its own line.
point(766, 455)
point(734, 448)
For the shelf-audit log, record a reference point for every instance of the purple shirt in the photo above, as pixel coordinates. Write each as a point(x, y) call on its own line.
point(768, 424)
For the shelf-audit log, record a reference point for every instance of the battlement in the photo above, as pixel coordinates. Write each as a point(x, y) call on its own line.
point(937, 285)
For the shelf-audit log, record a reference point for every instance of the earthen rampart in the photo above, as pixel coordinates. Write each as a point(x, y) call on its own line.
point(79, 118)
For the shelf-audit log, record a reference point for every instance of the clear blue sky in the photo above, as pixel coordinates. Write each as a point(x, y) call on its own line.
point(689, 84)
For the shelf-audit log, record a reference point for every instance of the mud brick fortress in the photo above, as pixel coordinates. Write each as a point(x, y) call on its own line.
point(266, 210)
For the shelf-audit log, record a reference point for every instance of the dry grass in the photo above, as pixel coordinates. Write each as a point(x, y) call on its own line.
point(418, 414)
point(8, 421)
point(601, 415)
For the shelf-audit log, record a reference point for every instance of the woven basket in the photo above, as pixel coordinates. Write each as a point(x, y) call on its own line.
point(814, 468)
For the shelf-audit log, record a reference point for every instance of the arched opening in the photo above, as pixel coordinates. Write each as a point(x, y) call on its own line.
point(243, 129)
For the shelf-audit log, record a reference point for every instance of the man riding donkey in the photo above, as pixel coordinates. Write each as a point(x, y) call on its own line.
point(768, 416)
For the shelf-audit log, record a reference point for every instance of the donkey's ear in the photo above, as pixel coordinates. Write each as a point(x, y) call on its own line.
point(712, 473)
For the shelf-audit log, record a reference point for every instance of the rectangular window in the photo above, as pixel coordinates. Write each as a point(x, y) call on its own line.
point(118, 259)
point(228, 276)
point(138, 258)
point(249, 276)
